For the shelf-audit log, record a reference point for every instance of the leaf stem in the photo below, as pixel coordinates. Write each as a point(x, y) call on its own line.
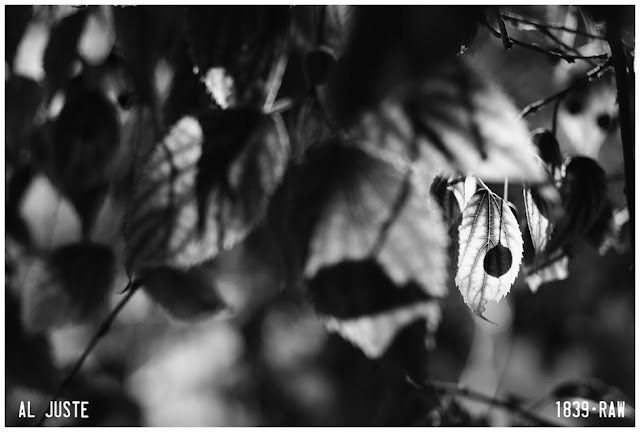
point(460, 390)
point(131, 288)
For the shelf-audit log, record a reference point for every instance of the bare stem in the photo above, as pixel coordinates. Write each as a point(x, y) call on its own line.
point(102, 330)
point(546, 25)
point(550, 52)
point(593, 74)
point(460, 390)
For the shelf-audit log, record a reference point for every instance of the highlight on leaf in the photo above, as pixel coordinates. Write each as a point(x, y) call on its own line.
point(457, 120)
point(490, 250)
point(379, 211)
point(204, 187)
point(360, 302)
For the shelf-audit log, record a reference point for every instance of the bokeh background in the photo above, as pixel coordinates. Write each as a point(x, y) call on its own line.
point(272, 362)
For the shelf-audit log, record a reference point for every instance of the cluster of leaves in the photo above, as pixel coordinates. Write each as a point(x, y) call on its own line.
point(207, 126)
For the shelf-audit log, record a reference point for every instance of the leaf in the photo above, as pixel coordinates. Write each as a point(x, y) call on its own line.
point(374, 210)
point(70, 285)
point(98, 36)
point(79, 150)
point(455, 120)
point(549, 150)
point(539, 226)
point(16, 21)
point(28, 59)
point(204, 188)
point(490, 250)
point(558, 269)
point(358, 300)
point(61, 51)
point(463, 189)
point(185, 294)
point(374, 334)
point(584, 198)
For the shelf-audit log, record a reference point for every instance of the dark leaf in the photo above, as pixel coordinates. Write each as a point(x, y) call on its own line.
point(186, 294)
point(70, 285)
point(584, 198)
point(16, 20)
point(549, 149)
point(319, 63)
point(29, 362)
point(62, 51)
point(22, 99)
point(80, 157)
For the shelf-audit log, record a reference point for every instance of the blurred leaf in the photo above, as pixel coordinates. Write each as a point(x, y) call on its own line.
point(79, 148)
point(549, 150)
point(539, 226)
point(62, 51)
point(455, 120)
point(16, 21)
point(373, 334)
point(205, 187)
point(28, 358)
point(557, 269)
point(374, 210)
point(360, 302)
point(319, 64)
point(22, 100)
point(70, 285)
point(29, 56)
point(584, 198)
point(186, 294)
point(98, 36)
point(243, 41)
point(490, 250)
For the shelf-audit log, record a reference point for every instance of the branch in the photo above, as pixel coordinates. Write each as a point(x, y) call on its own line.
point(549, 26)
point(550, 52)
point(459, 390)
point(104, 328)
point(619, 61)
point(593, 74)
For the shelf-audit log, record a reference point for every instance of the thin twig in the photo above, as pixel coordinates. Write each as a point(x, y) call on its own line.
point(550, 52)
point(459, 390)
point(549, 26)
point(102, 330)
point(593, 74)
point(619, 61)
point(506, 42)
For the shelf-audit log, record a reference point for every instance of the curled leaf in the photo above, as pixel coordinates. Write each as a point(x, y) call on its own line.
point(204, 188)
point(539, 226)
point(374, 334)
point(490, 250)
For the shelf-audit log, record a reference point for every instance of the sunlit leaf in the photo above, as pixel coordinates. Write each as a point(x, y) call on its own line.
point(463, 189)
point(359, 301)
point(456, 120)
point(186, 294)
point(381, 212)
point(490, 250)
point(539, 226)
point(98, 36)
point(373, 334)
point(204, 188)
point(557, 269)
